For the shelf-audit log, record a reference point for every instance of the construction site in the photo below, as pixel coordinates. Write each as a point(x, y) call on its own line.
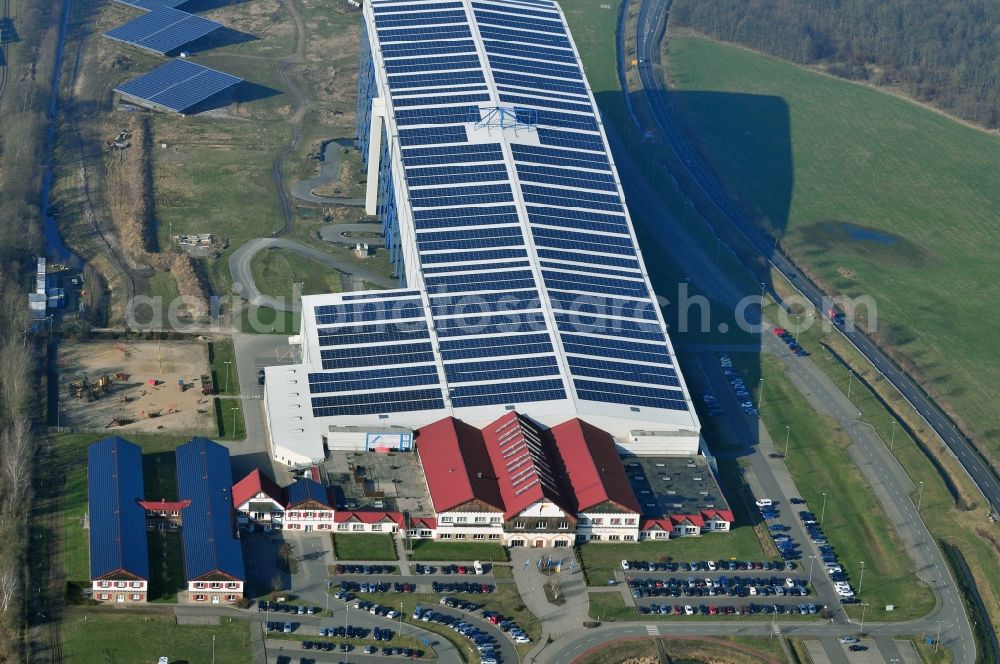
point(147, 386)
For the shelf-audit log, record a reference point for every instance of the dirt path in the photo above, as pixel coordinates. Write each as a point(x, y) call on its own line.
point(302, 106)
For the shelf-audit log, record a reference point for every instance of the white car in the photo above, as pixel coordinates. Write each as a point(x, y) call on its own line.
point(625, 565)
point(392, 614)
point(688, 610)
point(789, 583)
point(521, 639)
point(711, 566)
point(764, 502)
point(848, 639)
point(478, 567)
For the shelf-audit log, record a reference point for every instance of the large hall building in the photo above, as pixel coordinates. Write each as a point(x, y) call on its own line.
point(522, 284)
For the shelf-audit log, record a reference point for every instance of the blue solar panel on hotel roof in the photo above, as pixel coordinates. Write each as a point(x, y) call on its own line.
point(205, 477)
point(178, 85)
point(163, 29)
point(117, 522)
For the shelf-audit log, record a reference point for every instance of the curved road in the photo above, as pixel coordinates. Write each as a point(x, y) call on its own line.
point(338, 234)
point(244, 284)
point(328, 172)
point(650, 30)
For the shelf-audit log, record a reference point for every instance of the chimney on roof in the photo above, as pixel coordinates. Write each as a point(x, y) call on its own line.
point(479, 475)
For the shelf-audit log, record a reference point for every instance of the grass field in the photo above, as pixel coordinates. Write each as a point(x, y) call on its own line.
point(275, 271)
point(731, 650)
point(166, 566)
point(229, 418)
point(466, 551)
point(364, 546)
point(610, 606)
point(854, 522)
point(859, 189)
point(623, 651)
point(225, 379)
point(601, 559)
point(89, 638)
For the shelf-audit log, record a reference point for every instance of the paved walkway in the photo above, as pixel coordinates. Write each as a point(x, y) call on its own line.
point(556, 620)
point(243, 281)
point(328, 172)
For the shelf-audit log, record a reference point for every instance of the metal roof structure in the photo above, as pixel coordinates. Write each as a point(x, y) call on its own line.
point(118, 546)
point(205, 477)
point(176, 86)
point(162, 30)
point(525, 286)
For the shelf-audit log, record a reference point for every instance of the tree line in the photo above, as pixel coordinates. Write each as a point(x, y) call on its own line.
point(19, 387)
point(941, 52)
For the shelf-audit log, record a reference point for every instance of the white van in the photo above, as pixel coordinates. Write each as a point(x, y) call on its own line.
point(764, 502)
point(478, 566)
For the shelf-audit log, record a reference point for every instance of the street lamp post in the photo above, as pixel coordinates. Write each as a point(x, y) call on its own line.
point(861, 628)
point(822, 514)
point(760, 394)
point(235, 410)
point(226, 388)
point(788, 430)
point(892, 439)
point(213, 649)
point(850, 383)
point(812, 561)
point(861, 578)
point(938, 639)
point(920, 496)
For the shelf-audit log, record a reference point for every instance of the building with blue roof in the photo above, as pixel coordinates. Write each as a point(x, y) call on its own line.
point(522, 283)
point(119, 555)
point(213, 557)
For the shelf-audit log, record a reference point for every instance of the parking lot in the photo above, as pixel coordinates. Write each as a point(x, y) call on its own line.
point(373, 480)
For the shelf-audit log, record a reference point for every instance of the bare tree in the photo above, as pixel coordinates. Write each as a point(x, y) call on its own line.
point(16, 453)
point(9, 583)
point(15, 377)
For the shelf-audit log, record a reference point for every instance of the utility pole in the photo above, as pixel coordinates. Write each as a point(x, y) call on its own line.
point(861, 629)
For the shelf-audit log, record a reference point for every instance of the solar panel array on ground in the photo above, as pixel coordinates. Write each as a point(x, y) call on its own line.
point(163, 30)
point(177, 85)
point(152, 4)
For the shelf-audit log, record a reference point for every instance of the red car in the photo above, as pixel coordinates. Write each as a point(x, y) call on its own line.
point(713, 611)
point(461, 570)
point(780, 331)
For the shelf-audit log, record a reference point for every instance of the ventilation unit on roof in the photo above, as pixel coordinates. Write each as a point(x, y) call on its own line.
point(661, 465)
point(703, 493)
point(678, 505)
point(665, 478)
point(696, 479)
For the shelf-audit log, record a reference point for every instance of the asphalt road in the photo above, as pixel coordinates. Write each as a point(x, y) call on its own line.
point(245, 285)
point(651, 27)
point(328, 172)
point(765, 475)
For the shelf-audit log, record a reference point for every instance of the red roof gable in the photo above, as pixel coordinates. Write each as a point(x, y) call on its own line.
point(522, 463)
point(593, 469)
point(254, 483)
point(456, 465)
point(157, 505)
point(423, 522)
point(369, 517)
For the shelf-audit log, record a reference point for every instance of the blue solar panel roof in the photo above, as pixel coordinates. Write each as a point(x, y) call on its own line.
point(163, 29)
point(205, 477)
point(304, 489)
point(152, 4)
point(117, 522)
point(177, 85)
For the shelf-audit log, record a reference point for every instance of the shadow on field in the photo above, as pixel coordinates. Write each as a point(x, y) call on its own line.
point(241, 93)
point(209, 5)
point(218, 39)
